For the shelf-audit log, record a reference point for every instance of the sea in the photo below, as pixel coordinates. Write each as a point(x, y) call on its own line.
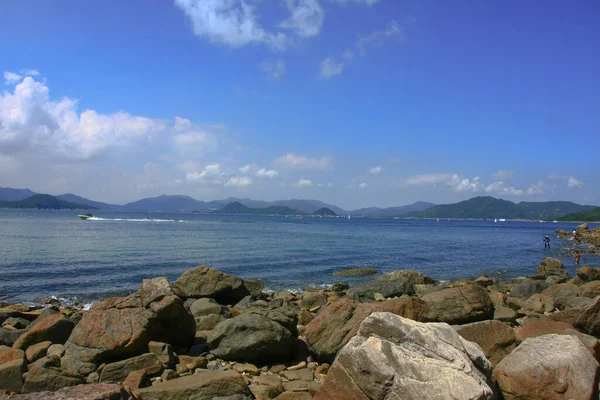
point(54, 253)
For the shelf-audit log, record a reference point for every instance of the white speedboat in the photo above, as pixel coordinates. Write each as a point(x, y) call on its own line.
point(85, 216)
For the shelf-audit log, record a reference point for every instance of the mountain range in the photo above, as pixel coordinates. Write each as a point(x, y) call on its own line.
point(589, 216)
point(44, 201)
point(484, 207)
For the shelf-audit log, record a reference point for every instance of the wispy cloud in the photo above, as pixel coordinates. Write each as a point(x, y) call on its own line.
point(378, 38)
point(363, 185)
point(210, 174)
point(267, 173)
point(306, 17)
point(273, 69)
point(304, 183)
point(429, 178)
point(294, 161)
point(503, 174)
point(376, 170)
point(361, 2)
point(239, 181)
point(575, 183)
point(330, 67)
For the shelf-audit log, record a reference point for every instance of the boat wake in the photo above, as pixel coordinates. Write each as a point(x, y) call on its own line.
point(133, 219)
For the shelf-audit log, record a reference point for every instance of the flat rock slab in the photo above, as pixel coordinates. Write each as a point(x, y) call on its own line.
point(392, 355)
point(202, 386)
point(80, 392)
point(495, 338)
point(549, 367)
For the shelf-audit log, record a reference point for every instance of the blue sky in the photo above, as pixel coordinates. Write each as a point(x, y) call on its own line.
point(354, 102)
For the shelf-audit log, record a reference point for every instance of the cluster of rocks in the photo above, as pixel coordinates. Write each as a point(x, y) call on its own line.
point(210, 335)
point(583, 234)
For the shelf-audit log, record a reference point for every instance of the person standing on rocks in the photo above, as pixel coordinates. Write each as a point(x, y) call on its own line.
point(546, 242)
point(576, 256)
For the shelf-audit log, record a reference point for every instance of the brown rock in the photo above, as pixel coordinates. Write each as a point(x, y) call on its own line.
point(538, 303)
point(8, 354)
point(266, 387)
point(590, 289)
point(37, 351)
point(50, 379)
point(550, 266)
point(193, 362)
point(339, 322)
point(305, 316)
point(589, 319)
point(80, 392)
point(322, 369)
point(505, 314)
point(246, 368)
point(460, 305)
point(11, 375)
point(54, 328)
point(136, 380)
point(495, 338)
point(294, 396)
point(548, 367)
point(564, 295)
point(588, 274)
point(118, 371)
point(203, 281)
point(303, 374)
point(205, 386)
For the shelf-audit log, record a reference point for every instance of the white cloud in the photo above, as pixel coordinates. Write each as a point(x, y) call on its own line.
point(500, 188)
point(191, 140)
point(361, 2)
point(29, 72)
point(10, 78)
point(348, 55)
point(229, 22)
point(377, 38)
point(376, 170)
point(304, 163)
point(273, 69)
point(303, 183)
point(428, 179)
point(537, 188)
point(574, 183)
point(363, 185)
point(503, 174)
point(464, 184)
point(239, 181)
point(330, 68)
point(210, 174)
point(306, 17)
point(264, 173)
point(246, 168)
point(31, 122)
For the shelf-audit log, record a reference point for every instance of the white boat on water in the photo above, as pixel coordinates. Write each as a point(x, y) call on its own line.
point(502, 220)
point(495, 220)
point(85, 216)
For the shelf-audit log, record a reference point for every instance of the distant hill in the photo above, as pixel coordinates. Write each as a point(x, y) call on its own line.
point(44, 201)
point(486, 207)
point(72, 198)
point(393, 211)
point(164, 203)
point(308, 206)
point(325, 212)
point(587, 216)
point(238, 208)
point(10, 194)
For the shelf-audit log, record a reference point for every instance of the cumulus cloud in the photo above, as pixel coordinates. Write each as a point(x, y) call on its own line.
point(501, 188)
point(306, 17)
point(267, 173)
point(537, 188)
point(376, 170)
point(273, 69)
point(574, 183)
point(363, 185)
point(10, 78)
point(465, 184)
point(210, 174)
point(503, 174)
point(239, 181)
point(304, 183)
point(31, 122)
point(246, 168)
point(378, 38)
point(229, 22)
point(294, 161)
point(330, 68)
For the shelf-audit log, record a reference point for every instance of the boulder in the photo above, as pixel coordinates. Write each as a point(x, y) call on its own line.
point(137, 380)
point(37, 351)
point(207, 306)
point(387, 288)
point(80, 392)
point(50, 379)
point(45, 362)
point(164, 352)
point(548, 367)
point(355, 272)
point(588, 274)
point(255, 287)
point(547, 326)
point(9, 337)
point(392, 355)
point(335, 325)
point(339, 287)
point(537, 304)
point(590, 289)
point(505, 314)
point(118, 328)
point(55, 328)
point(550, 267)
point(117, 372)
point(253, 338)
point(16, 322)
point(8, 354)
point(312, 300)
point(460, 305)
point(588, 320)
point(266, 387)
point(414, 277)
point(203, 281)
point(495, 338)
point(527, 288)
point(205, 386)
point(582, 227)
point(208, 322)
point(565, 295)
point(56, 349)
point(11, 375)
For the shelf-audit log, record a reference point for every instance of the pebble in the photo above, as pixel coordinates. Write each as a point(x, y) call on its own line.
point(277, 368)
point(312, 366)
point(298, 366)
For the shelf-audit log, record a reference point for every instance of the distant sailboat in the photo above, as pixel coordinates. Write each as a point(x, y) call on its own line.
point(348, 216)
point(495, 220)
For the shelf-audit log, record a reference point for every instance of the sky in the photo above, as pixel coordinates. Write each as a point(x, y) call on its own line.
point(353, 102)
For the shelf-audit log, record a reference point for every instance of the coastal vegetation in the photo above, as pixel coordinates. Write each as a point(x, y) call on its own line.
point(238, 208)
point(325, 212)
point(589, 216)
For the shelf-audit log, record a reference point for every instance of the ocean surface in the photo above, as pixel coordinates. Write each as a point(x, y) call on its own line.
point(53, 253)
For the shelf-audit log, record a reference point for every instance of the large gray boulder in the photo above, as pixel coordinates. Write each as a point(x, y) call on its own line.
point(460, 305)
point(205, 386)
point(117, 372)
point(386, 287)
point(203, 281)
point(495, 338)
point(119, 328)
point(528, 287)
point(549, 367)
point(253, 337)
point(396, 358)
point(11, 375)
point(50, 379)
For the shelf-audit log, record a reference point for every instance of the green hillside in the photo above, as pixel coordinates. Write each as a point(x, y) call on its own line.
point(325, 212)
point(587, 216)
point(44, 201)
point(238, 208)
point(486, 207)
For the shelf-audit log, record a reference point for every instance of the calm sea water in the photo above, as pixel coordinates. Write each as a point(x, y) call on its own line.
point(45, 253)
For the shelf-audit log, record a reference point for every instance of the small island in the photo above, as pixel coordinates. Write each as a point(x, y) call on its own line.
point(238, 208)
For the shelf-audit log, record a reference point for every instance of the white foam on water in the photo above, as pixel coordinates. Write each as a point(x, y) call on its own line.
point(133, 219)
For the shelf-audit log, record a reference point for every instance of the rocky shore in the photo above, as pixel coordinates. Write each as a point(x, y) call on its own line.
point(210, 335)
point(590, 238)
